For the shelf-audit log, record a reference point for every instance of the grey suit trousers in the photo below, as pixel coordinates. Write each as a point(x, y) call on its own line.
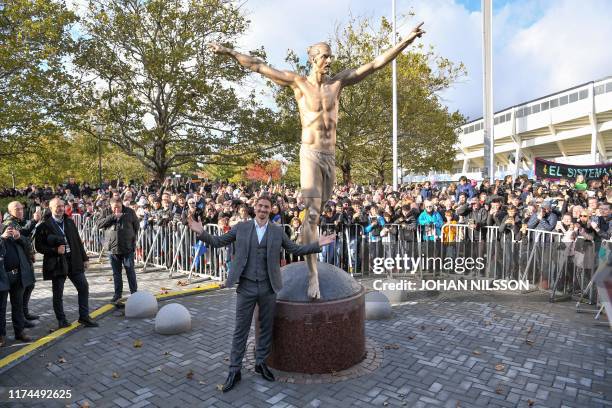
point(251, 293)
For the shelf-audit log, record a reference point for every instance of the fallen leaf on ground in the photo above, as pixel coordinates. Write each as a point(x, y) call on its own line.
point(182, 283)
point(500, 367)
point(385, 404)
point(190, 375)
point(499, 390)
point(529, 342)
point(61, 360)
point(202, 382)
point(220, 387)
point(84, 404)
point(110, 279)
point(162, 288)
point(422, 327)
point(391, 347)
point(49, 365)
point(529, 329)
point(166, 353)
point(225, 358)
point(442, 328)
point(530, 403)
point(137, 343)
point(476, 352)
point(115, 375)
point(410, 337)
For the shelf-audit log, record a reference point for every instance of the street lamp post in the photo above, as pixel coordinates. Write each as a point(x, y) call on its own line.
point(394, 87)
point(99, 129)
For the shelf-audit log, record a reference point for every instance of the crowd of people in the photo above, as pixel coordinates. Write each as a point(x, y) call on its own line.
point(416, 211)
point(575, 208)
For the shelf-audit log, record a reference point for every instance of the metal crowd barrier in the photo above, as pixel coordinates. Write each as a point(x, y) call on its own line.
point(541, 257)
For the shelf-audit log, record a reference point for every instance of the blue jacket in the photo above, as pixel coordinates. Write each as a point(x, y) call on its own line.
point(547, 223)
point(466, 188)
point(426, 193)
point(427, 219)
point(373, 231)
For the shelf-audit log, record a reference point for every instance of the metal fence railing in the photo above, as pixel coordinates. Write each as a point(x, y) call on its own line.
point(548, 260)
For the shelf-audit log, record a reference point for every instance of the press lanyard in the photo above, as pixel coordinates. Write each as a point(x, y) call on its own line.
point(60, 227)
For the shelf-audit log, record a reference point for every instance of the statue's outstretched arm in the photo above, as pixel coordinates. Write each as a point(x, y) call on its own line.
point(284, 78)
point(352, 76)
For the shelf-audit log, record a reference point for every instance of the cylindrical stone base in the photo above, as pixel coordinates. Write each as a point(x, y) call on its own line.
point(319, 337)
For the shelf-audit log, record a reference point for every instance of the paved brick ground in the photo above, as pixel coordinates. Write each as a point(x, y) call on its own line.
point(467, 351)
point(101, 290)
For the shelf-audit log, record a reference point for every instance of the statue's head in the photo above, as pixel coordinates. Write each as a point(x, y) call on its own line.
point(320, 56)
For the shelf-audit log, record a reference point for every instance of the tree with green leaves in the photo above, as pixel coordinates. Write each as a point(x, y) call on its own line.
point(35, 87)
point(164, 98)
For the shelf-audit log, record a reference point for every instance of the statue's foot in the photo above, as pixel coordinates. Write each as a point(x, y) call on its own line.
point(313, 287)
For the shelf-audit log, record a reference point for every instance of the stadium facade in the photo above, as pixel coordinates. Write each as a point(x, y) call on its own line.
point(572, 126)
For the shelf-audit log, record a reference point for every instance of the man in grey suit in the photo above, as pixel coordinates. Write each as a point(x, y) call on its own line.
point(256, 270)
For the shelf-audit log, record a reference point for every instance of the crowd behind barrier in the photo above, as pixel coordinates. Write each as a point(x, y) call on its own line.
point(551, 233)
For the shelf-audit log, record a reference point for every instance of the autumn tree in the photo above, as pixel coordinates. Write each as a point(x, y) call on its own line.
point(265, 171)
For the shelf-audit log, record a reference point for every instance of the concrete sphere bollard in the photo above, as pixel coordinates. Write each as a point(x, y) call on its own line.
point(140, 305)
point(173, 319)
point(377, 306)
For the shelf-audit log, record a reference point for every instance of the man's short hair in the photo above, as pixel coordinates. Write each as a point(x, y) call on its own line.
point(116, 201)
point(264, 197)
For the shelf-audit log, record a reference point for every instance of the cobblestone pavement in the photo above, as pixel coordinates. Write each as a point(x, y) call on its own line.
point(475, 351)
point(99, 277)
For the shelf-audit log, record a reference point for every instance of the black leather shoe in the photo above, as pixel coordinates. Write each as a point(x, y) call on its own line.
point(264, 371)
point(88, 322)
point(23, 337)
point(232, 379)
point(29, 316)
point(28, 325)
point(62, 324)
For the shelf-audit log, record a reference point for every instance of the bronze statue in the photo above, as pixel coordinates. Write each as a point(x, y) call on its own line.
point(317, 96)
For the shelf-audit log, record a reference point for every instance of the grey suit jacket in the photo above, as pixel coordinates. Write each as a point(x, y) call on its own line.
point(241, 235)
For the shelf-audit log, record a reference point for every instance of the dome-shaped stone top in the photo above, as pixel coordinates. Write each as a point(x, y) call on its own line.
point(334, 283)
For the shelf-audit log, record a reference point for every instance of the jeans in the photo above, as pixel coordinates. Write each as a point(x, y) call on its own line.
point(16, 293)
point(80, 283)
point(127, 261)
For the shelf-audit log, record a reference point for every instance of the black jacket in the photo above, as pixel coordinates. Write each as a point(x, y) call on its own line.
point(121, 233)
point(46, 241)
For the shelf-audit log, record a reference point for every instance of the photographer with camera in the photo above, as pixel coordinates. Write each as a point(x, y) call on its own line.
point(15, 274)
point(544, 219)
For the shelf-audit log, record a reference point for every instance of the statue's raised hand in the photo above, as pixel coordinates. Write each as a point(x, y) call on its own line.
point(417, 32)
point(218, 48)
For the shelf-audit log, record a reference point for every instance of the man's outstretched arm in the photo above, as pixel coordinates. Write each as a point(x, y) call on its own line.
point(284, 78)
point(352, 76)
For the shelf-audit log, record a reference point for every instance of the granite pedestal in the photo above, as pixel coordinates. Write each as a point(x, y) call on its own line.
point(322, 336)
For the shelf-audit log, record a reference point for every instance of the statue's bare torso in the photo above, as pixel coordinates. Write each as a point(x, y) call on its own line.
point(318, 106)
